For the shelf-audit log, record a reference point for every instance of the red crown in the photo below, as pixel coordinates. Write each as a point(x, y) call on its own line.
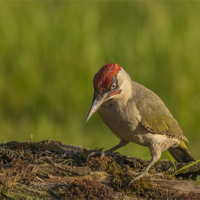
point(103, 78)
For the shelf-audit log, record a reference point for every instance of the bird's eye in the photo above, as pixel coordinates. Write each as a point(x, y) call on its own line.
point(113, 86)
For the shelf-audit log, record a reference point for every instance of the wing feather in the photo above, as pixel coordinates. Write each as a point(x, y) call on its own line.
point(155, 116)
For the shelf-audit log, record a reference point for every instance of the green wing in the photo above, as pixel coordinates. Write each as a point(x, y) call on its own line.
point(155, 116)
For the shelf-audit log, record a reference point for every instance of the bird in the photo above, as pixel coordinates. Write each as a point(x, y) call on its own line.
point(136, 114)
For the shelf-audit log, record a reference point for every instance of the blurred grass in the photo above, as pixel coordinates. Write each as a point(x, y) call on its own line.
point(50, 52)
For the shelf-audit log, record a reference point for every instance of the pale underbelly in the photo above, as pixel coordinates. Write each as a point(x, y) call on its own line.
point(133, 131)
point(141, 136)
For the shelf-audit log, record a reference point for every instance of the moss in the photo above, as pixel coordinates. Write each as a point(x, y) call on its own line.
point(114, 168)
point(121, 177)
point(88, 189)
point(169, 177)
point(141, 186)
point(20, 163)
point(96, 163)
point(191, 195)
point(159, 193)
point(17, 171)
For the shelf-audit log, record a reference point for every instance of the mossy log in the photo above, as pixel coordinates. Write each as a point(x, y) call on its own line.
point(51, 169)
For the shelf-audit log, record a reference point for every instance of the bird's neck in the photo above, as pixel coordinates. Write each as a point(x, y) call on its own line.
point(126, 92)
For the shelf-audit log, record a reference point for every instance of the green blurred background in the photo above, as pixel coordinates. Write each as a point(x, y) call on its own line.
point(50, 51)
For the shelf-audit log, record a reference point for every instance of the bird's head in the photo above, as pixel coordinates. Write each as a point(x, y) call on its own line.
point(108, 84)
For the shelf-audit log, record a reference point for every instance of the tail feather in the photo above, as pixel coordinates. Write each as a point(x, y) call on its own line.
point(181, 153)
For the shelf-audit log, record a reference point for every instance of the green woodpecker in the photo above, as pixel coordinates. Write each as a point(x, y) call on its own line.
point(136, 114)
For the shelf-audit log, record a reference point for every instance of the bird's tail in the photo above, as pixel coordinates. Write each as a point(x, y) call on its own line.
point(181, 153)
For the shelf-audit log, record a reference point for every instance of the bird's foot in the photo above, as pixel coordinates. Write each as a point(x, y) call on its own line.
point(101, 154)
point(96, 153)
point(143, 174)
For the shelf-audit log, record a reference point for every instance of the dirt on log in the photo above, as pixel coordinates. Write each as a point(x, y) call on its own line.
point(50, 169)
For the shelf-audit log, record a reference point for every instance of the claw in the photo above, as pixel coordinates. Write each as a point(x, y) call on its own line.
point(101, 153)
point(144, 174)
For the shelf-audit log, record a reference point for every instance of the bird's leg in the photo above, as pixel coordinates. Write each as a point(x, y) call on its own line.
point(121, 144)
point(109, 151)
point(155, 156)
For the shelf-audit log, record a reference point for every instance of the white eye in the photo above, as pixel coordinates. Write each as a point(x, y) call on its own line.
point(113, 86)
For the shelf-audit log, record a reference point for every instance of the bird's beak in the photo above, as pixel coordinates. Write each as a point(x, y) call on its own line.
point(96, 103)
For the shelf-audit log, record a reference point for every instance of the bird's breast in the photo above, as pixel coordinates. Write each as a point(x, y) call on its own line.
point(129, 128)
point(123, 122)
